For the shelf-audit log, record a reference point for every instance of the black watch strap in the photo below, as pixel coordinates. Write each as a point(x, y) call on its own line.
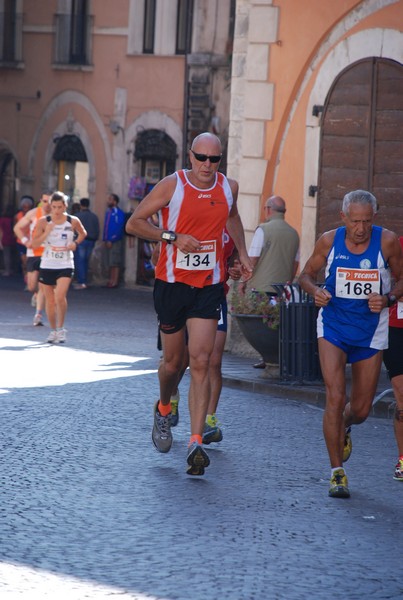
point(391, 300)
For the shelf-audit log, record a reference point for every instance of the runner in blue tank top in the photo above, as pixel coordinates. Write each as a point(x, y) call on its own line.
point(352, 323)
point(350, 278)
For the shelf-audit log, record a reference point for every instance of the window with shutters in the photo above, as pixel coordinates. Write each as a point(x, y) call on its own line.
point(10, 34)
point(149, 26)
point(184, 26)
point(73, 35)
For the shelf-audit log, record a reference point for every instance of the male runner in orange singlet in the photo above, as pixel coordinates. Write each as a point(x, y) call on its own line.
point(194, 206)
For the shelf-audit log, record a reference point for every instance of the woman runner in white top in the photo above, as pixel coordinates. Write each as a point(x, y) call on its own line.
point(57, 232)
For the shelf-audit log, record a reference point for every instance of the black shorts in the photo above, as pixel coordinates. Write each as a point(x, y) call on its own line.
point(393, 356)
point(33, 263)
point(223, 322)
point(22, 249)
point(175, 303)
point(50, 276)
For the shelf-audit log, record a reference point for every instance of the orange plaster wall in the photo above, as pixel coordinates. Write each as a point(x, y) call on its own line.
point(302, 30)
point(113, 14)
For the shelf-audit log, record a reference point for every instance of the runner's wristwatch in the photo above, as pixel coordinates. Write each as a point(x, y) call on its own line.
point(168, 236)
point(391, 300)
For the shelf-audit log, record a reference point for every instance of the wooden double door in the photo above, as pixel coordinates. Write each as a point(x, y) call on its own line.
point(362, 142)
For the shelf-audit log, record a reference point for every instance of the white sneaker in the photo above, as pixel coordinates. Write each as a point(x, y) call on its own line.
point(53, 338)
point(61, 335)
point(37, 320)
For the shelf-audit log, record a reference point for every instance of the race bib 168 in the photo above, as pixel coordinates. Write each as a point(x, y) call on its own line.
point(356, 284)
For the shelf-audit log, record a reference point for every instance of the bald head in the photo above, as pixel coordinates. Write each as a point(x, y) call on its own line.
point(206, 138)
point(276, 203)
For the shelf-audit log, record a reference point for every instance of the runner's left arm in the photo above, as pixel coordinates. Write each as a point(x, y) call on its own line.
point(79, 230)
point(236, 231)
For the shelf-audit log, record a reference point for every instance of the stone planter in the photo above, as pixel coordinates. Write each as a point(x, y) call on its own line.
point(263, 339)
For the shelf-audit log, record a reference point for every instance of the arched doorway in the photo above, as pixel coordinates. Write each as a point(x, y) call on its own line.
point(72, 167)
point(157, 153)
point(8, 168)
point(8, 209)
point(362, 141)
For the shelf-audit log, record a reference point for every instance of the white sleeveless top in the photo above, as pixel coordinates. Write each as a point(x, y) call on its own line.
point(55, 254)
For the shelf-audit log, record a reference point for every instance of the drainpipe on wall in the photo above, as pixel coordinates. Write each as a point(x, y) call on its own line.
point(186, 87)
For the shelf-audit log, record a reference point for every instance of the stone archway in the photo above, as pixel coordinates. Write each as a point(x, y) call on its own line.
point(139, 146)
point(156, 145)
point(71, 98)
point(72, 167)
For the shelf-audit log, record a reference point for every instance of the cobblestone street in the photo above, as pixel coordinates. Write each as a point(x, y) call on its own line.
point(90, 510)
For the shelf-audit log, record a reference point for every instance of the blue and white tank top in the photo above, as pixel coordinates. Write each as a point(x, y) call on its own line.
point(350, 278)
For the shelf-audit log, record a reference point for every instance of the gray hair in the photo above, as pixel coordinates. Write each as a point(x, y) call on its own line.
point(361, 197)
point(276, 203)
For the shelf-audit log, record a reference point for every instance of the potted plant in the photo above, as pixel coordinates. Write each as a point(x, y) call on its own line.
point(258, 317)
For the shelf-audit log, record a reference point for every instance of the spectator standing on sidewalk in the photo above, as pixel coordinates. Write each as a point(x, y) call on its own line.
point(29, 222)
point(274, 252)
point(393, 359)
point(83, 253)
point(352, 323)
point(194, 207)
point(57, 232)
point(26, 204)
point(114, 229)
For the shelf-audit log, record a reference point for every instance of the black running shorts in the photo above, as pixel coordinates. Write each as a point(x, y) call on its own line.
point(393, 356)
point(175, 303)
point(50, 276)
point(33, 263)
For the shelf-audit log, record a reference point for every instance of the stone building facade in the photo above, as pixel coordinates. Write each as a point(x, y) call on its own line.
point(305, 94)
point(316, 109)
point(94, 94)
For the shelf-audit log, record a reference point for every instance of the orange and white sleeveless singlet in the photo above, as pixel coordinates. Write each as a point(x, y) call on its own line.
point(203, 214)
point(32, 226)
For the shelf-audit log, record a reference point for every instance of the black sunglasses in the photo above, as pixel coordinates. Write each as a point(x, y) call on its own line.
point(205, 157)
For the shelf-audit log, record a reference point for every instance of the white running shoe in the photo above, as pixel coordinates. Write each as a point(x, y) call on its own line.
point(37, 320)
point(53, 338)
point(61, 335)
